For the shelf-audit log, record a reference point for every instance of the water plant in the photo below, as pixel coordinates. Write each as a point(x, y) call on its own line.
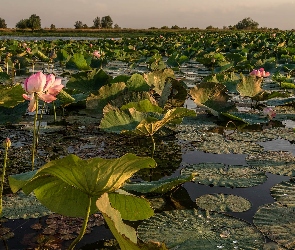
point(44, 87)
point(75, 187)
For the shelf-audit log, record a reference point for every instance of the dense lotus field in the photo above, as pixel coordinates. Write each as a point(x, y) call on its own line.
point(172, 141)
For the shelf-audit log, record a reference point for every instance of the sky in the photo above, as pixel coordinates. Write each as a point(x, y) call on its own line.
point(144, 14)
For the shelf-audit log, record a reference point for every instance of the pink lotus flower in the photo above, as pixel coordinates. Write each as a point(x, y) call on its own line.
point(260, 73)
point(96, 54)
point(269, 112)
point(46, 87)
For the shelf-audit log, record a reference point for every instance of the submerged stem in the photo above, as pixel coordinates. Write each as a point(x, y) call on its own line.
point(154, 146)
point(84, 226)
point(35, 132)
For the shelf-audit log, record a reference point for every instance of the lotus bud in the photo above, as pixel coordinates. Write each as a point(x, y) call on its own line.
point(269, 112)
point(7, 143)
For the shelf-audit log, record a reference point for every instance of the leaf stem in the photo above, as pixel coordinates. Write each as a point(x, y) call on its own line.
point(84, 226)
point(3, 178)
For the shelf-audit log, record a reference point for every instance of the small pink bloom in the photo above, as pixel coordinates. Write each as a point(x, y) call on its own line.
point(96, 54)
point(28, 50)
point(46, 87)
point(90, 45)
point(269, 112)
point(260, 73)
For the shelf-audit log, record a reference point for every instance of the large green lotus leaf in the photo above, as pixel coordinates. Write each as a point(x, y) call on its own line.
point(78, 61)
point(137, 83)
point(277, 222)
point(249, 86)
point(105, 94)
point(62, 55)
point(171, 116)
point(13, 115)
point(143, 106)
point(157, 79)
point(284, 193)
point(131, 96)
point(61, 197)
point(88, 82)
point(66, 185)
point(282, 163)
point(121, 78)
point(159, 187)
point(211, 96)
point(117, 121)
point(11, 96)
point(113, 215)
point(21, 206)
point(192, 229)
point(131, 207)
point(223, 203)
point(249, 118)
point(4, 77)
point(273, 246)
point(218, 174)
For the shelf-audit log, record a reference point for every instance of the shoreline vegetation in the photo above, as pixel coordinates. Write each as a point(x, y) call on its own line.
point(109, 33)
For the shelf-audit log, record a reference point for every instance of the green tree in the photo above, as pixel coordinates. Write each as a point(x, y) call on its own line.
point(3, 24)
point(175, 27)
point(78, 25)
point(34, 22)
point(52, 27)
point(116, 26)
point(97, 23)
point(246, 24)
point(106, 22)
point(22, 24)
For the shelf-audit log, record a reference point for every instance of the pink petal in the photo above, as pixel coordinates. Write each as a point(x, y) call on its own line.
point(49, 81)
point(27, 97)
point(47, 97)
point(35, 83)
point(55, 89)
point(32, 104)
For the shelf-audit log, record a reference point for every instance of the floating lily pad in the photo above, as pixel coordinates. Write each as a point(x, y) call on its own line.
point(273, 246)
point(284, 193)
point(192, 229)
point(218, 174)
point(23, 206)
point(277, 223)
point(282, 163)
point(223, 203)
point(218, 144)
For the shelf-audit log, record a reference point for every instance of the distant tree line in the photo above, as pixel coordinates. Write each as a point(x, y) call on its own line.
point(106, 22)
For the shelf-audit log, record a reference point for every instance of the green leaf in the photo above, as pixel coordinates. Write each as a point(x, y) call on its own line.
point(160, 187)
point(103, 204)
point(131, 207)
point(88, 82)
point(143, 106)
point(211, 96)
point(137, 83)
point(105, 94)
point(13, 115)
point(171, 116)
point(248, 118)
point(78, 61)
point(11, 96)
point(65, 185)
point(157, 79)
point(118, 121)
